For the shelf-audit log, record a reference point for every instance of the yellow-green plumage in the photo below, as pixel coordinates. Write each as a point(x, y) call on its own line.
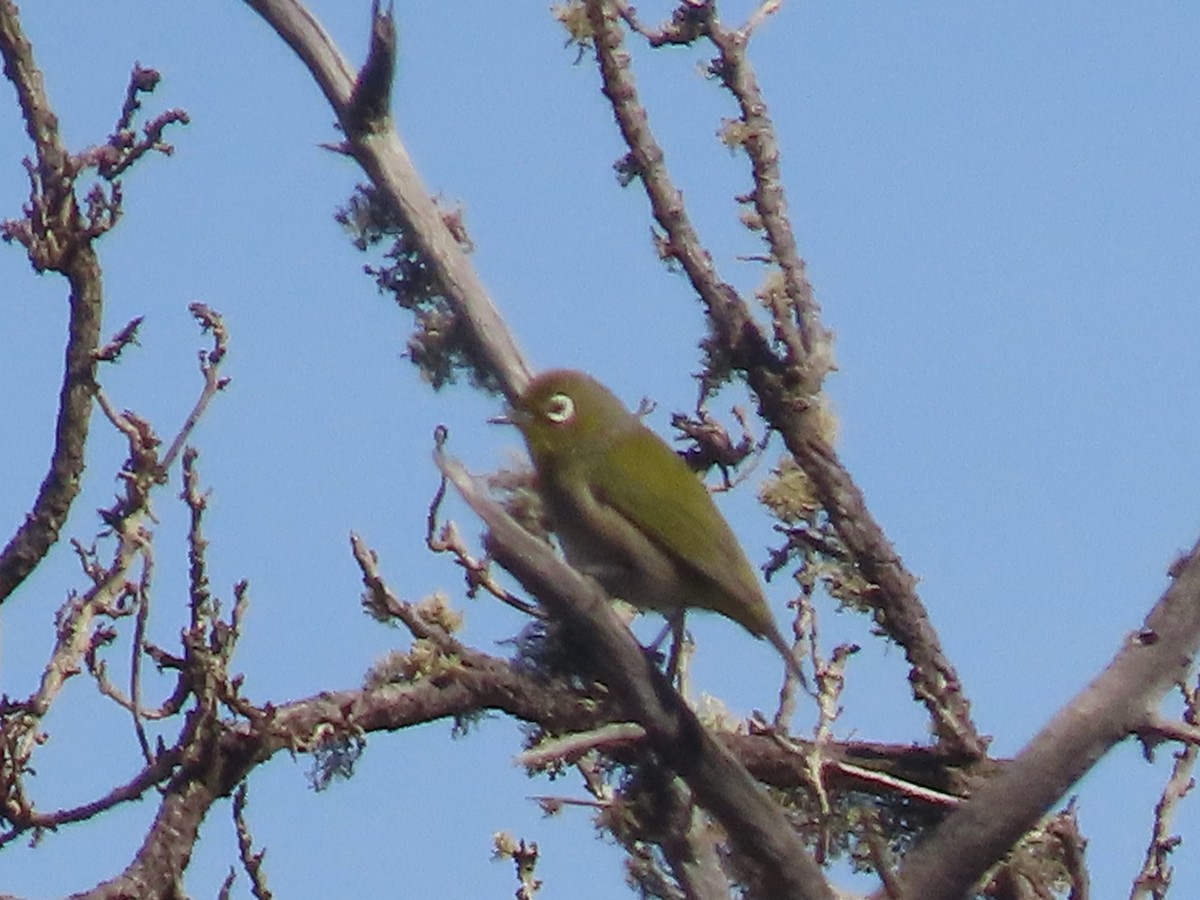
point(629, 511)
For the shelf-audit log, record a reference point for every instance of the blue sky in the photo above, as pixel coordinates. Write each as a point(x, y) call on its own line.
point(1000, 211)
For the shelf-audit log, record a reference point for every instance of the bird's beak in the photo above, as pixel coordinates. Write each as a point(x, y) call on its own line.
point(510, 416)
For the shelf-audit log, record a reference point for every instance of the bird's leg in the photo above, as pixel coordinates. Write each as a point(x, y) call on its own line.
point(675, 624)
point(674, 627)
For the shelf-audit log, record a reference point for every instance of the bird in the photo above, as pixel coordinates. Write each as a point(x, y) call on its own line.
point(629, 512)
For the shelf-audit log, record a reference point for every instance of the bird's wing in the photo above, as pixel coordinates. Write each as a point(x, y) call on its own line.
point(641, 478)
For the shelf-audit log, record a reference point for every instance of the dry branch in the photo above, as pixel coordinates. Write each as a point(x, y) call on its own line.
point(57, 232)
point(376, 146)
point(1116, 704)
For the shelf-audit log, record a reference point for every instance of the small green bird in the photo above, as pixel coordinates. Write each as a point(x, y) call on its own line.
point(630, 513)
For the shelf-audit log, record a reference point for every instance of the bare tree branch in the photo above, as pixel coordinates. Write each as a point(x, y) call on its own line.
point(57, 235)
point(1115, 705)
point(378, 149)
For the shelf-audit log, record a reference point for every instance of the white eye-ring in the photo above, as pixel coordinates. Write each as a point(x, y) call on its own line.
point(560, 408)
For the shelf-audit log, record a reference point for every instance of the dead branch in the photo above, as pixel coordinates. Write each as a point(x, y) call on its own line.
point(1114, 706)
point(377, 147)
point(57, 232)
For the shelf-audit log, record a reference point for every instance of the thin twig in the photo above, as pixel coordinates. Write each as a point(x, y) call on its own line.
point(569, 747)
point(138, 648)
point(153, 774)
point(1154, 878)
point(448, 539)
point(252, 862)
point(210, 364)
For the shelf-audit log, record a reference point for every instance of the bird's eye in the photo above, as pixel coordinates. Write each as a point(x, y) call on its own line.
point(560, 409)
